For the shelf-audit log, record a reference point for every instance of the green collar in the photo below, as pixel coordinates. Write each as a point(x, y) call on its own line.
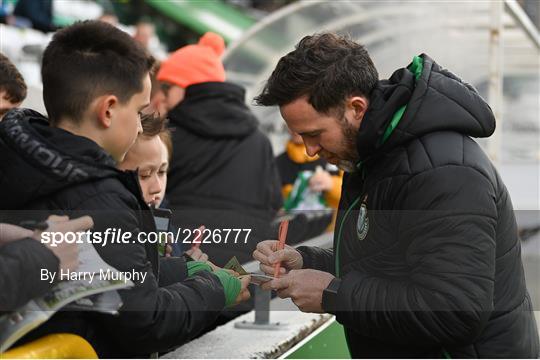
point(417, 66)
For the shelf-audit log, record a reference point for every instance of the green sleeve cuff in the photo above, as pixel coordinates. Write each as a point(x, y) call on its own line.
point(194, 267)
point(231, 286)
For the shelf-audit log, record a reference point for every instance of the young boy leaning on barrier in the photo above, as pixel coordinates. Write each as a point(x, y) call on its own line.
point(95, 85)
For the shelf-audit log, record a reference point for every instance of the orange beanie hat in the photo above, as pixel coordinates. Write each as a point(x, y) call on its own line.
point(195, 64)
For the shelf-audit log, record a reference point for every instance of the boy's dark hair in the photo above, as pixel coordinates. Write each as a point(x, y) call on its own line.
point(11, 81)
point(89, 59)
point(152, 124)
point(327, 68)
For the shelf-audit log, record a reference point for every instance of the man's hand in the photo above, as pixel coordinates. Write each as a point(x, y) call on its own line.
point(67, 253)
point(244, 292)
point(321, 181)
point(304, 287)
point(268, 254)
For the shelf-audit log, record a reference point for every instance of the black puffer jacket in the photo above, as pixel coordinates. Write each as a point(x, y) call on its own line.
point(426, 242)
point(222, 172)
point(43, 169)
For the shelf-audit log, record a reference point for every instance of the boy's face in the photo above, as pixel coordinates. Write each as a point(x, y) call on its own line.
point(146, 156)
point(163, 169)
point(126, 122)
point(5, 104)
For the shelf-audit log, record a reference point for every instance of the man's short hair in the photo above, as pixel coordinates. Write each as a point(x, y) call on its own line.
point(11, 81)
point(89, 59)
point(327, 68)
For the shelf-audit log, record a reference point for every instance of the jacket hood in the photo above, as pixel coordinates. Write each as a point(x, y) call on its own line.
point(434, 100)
point(32, 166)
point(215, 110)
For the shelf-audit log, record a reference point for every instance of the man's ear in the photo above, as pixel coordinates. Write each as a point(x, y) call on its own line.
point(106, 108)
point(357, 105)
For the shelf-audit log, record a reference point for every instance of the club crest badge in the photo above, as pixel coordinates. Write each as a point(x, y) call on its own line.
point(362, 225)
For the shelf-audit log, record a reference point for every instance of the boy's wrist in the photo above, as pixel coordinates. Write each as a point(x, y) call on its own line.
point(194, 267)
point(231, 286)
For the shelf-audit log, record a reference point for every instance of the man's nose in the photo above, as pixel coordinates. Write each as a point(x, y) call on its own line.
point(312, 149)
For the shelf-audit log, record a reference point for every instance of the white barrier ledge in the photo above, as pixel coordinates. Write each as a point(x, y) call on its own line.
point(231, 343)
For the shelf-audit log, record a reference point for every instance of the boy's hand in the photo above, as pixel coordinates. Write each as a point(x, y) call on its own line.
point(235, 288)
point(244, 292)
point(196, 254)
point(67, 253)
point(168, 250)
point(9, 233)
point(168, 246)
point(268, 255)
point(217, 268)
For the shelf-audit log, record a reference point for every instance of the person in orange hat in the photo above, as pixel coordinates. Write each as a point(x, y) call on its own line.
point(190, 65)
point(222, 173)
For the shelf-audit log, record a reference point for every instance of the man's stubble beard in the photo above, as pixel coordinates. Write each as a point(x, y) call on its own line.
point(351, 157)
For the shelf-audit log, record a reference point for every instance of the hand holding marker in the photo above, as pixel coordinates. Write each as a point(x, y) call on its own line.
point(282, 236)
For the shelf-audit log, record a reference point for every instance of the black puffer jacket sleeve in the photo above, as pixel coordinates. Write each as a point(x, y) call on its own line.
point(152, 318)
point(445, 219)
point(20, 272)
point(317, 258)
point(171, 270)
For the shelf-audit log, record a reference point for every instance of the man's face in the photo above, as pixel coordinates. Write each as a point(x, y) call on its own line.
point(146, 156)
point(295, 138)
point(6, 105)
point(126, 123)
point(330, 136)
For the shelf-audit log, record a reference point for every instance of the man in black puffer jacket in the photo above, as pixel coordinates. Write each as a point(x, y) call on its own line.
point(222, 173)
point(426, 259)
